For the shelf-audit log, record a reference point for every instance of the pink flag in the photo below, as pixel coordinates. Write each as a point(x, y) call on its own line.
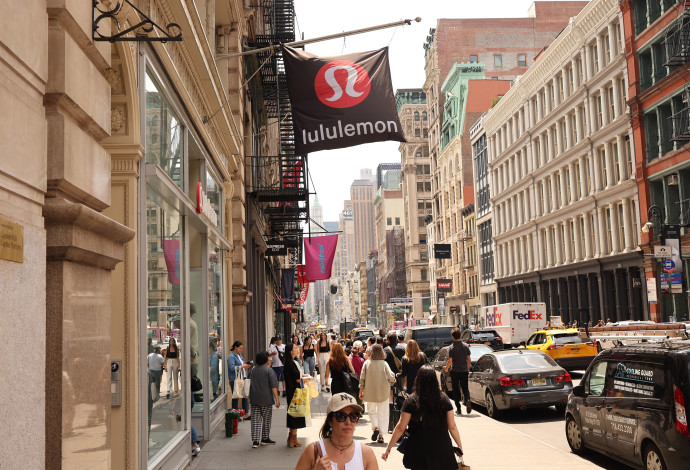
point(318, 254)
point(171, 253)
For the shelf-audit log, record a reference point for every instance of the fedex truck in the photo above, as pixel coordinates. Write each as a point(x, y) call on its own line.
point(514, 322)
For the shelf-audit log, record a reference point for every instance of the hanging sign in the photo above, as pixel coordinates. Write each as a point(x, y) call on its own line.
point(341, 101)
point(444, 285)
point(442, 250)
point(203, 205)
point(318, 254)
point(276, 249)
point(303, 294)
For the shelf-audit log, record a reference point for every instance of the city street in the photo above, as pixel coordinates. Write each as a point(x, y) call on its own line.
point(520, 441)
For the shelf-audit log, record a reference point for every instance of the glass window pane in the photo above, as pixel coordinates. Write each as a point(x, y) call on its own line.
point(215, 195)
point(165, 245)
point(164, 133)
point(215, 322)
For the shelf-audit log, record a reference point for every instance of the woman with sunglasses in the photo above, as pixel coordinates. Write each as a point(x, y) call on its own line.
point(337, 447)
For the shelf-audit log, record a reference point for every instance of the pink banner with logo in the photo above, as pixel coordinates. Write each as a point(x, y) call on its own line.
point(318, 254)
point(171, 253)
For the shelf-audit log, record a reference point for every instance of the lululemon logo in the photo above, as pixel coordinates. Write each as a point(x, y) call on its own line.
point(342, 84)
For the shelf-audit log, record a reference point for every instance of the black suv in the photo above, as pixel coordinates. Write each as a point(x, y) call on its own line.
point(430, 338)
point(631, 406)
point(488, 337)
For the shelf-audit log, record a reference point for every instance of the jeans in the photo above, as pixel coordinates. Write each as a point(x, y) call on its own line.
point(458, 381)
point(309, 365)
point(236, 401)
point(195, 436)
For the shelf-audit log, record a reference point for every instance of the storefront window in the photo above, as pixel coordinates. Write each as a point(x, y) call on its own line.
point(165, 278)
point(164, 133)
point(214, 195)
point(215, 323)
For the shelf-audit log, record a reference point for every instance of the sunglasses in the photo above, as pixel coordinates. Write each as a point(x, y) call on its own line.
point(341, 417)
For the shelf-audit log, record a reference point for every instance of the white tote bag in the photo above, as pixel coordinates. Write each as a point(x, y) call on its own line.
point(239, 384)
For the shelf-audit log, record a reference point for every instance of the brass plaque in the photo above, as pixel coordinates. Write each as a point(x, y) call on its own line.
point(11, 241)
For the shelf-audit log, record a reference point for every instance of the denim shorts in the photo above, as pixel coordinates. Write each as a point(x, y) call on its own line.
point(279, 373)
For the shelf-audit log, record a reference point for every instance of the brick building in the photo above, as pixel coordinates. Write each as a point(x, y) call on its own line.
point(657, 52)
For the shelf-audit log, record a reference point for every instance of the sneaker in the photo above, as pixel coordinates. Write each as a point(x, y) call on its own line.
point(255, 444)
point(195, 450)
point(284, 393)
point(267, 442)
point(375, 435)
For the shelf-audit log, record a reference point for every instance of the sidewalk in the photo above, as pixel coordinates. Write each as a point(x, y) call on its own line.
point(488, 445)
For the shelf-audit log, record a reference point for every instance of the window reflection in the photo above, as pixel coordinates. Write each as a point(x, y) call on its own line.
point(163, 133)
point(215, 322)
point(164, 279)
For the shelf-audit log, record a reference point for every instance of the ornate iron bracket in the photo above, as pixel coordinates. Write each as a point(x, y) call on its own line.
point(142, 30)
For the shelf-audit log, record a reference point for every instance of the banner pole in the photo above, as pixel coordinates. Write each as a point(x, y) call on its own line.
point(321, 38)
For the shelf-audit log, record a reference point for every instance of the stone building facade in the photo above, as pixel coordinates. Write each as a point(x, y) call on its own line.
point(565, 217)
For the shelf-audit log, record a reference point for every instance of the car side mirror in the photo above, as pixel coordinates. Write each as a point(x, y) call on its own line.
point(579, 391)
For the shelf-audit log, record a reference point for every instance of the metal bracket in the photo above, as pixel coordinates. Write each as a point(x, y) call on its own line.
point(172, 32)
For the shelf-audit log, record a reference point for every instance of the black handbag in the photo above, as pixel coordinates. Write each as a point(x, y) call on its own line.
point(351, 381)
point(196, 384)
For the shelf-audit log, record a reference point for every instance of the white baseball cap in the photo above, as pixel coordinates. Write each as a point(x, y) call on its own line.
point(342, 400)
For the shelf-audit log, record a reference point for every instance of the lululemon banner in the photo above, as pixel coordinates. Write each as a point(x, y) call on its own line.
point(341, 101)
point(318, 254)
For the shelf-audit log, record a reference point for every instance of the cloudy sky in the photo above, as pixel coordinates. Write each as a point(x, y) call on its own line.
point(334, 170)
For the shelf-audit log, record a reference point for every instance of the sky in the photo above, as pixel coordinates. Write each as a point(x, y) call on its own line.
point(333, 171)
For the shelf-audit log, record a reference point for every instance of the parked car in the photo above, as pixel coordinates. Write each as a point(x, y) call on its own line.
point(485, 336)
point(361, 334)
point(631, 406)
point(565, 347)
point(441, 359)
point(518, 378)
point(430, 338)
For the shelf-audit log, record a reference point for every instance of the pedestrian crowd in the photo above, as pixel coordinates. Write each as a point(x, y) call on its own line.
point(384, 376)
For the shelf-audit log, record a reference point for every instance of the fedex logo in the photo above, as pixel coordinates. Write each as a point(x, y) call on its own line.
point(530, 315)
point(494, 319)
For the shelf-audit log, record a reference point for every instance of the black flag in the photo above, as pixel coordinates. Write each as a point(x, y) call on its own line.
point(288, 286)
point(341, 101)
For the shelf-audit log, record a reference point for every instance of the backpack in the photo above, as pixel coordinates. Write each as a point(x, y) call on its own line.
point(351, 382)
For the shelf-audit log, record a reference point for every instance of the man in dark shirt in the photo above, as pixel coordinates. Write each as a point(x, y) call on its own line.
point(459, 365)
point(394, 350)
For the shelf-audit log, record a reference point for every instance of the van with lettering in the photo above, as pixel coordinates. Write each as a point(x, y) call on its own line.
point(514, 322)
point(631, 405)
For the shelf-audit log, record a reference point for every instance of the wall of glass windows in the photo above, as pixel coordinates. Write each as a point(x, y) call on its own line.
point(182, 291)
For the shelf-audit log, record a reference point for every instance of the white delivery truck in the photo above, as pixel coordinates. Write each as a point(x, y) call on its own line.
point(514, 322)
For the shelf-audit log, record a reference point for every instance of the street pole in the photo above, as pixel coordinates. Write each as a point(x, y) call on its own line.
point(321, 38)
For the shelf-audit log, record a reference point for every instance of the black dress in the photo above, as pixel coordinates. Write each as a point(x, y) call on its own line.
point(338, 380)
point(292, 374)
point(428, 449)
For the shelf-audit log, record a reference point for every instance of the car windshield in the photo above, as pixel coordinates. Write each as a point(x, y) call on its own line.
point(484, 335)
point(566, 338)
point(478, 351)
point(525, 361)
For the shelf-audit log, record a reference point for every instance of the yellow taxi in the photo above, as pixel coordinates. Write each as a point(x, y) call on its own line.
point(565, 347)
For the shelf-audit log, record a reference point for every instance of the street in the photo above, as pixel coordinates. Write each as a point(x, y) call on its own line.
point(519, 441)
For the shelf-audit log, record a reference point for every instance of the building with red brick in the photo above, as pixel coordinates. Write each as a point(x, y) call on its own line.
point(657, 47)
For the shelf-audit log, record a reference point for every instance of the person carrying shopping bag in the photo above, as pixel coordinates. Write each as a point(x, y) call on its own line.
point(374, 389)
point(429, 414)
point(263, 394)
point(293, 381)
point(237, 369)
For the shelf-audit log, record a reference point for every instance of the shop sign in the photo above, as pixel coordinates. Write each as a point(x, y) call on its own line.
point(662, 251)
point(203, 205)
point(441, 250)
point(11, 241)
point(277, 249)
point(444, 285)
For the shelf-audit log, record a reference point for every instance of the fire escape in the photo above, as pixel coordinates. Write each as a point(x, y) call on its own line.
point(279, 183)
point(677, 45)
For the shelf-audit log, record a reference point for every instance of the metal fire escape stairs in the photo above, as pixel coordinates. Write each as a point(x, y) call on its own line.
point(677, 50)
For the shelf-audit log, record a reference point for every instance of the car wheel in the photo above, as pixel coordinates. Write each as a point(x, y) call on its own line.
point(652, 458)
point(491, 409)
point(560, 407)
point(574, 435)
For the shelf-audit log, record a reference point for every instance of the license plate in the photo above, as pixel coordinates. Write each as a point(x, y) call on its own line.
point(488, 343)
point(538, 382)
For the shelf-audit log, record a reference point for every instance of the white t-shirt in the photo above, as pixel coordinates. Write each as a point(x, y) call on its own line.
point(275, 360)
point(155, 361)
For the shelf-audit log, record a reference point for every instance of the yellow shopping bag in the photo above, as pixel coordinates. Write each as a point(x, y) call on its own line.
point(299, 406)
point(313, 391)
